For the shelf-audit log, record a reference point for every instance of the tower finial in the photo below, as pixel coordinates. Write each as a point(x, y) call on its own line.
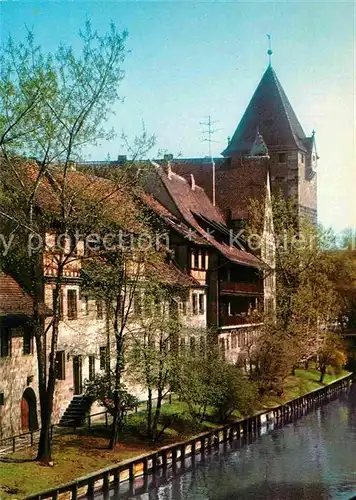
point(269, 51)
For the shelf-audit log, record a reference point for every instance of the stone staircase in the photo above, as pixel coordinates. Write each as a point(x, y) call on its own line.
point(76, 412)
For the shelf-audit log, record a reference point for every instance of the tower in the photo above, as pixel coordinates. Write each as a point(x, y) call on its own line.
point(293, 156)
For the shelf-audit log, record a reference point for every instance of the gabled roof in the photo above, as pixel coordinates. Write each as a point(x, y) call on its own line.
point(172, 221)
point(271, 113)
point(85, 193)
point(171, 275)
point(193, 204)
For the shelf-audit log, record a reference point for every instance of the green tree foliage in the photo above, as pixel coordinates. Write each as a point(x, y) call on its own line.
point(113, 397)
point(154, 338)
point(51, 107)
point(207, 381)
point(314, 288)
point(332, 351)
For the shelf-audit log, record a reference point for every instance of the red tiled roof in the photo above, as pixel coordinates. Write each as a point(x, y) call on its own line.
point(170, 274)
point(85, 192)
point(14, 300)
point(172, 221)
point(237, 181)
point(192, 201)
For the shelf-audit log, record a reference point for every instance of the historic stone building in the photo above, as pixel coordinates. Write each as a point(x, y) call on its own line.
point(228, 298)
point(293, 156)
point(269, 128)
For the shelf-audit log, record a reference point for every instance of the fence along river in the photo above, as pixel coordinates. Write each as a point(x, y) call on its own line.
point(304, 449)
point(312, 458)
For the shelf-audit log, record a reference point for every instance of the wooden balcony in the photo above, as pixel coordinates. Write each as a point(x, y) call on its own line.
point(238, 288)
point(240, 319)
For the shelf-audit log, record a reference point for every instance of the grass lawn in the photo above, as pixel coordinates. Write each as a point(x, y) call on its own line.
point(77, 455)
point(73, 455)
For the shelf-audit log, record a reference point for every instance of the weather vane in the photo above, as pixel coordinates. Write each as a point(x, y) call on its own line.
point(269, 51)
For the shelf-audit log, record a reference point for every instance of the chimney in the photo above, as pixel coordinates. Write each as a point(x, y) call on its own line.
point(168, 157)
point(192, 182)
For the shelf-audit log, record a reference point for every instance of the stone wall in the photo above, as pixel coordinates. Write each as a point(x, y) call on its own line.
point(17, 373)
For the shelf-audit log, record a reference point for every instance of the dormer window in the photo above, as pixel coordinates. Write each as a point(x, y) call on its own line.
point(199, 259)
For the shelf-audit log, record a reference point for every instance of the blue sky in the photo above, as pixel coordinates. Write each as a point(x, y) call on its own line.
point(192, 59)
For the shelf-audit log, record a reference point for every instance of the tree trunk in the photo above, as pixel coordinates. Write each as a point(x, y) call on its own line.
point(322, 374)
point(119, 362)
point(149, 413)
point(157, 414)
point(44, 451)
point(47, 393)
point(114, 437)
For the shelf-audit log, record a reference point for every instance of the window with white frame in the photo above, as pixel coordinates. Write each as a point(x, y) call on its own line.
point(201, 304)
point(195, 310)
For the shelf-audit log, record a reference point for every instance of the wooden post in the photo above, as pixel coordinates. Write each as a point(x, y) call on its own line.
point(174, 459)
point(90, 490)
point(193, 449)
point(106, 419)
point(209, 441)
point(131, 473)
point(154, 463)
point(145, 466)
point(245, 427)
point(145, 472)
point(225, 435)
point(231, 433)
point(116, 483)
point(74, 491)
point(13, 444)
point(89, 421)
point(106, 487)
point(164, 460)
point(202, 445)
point(182, 453)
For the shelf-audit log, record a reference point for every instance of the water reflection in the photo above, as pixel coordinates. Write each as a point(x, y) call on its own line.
point(313, 458)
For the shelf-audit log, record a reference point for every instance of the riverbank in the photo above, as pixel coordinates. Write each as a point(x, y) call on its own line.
point(83, 453)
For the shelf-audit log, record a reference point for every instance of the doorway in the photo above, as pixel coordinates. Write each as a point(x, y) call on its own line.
point(77, 375)
point(29, 421)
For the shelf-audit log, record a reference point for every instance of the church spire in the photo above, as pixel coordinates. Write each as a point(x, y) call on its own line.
point(269, 51)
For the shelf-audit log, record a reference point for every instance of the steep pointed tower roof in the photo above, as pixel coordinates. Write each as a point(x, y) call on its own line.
point(271, 113)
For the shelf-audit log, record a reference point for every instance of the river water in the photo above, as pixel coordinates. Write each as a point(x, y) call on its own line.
point(313, 458)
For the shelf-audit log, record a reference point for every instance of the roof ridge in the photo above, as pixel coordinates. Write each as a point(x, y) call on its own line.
point(284, 98)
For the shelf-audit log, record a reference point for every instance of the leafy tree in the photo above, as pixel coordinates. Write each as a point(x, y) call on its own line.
point(115, 278)
point(154, 339)
point(343, 278)
point(307, 300)
point(331, 352)
point(51, 107)
point(271, 360)
point(207, 380)
point(114, 397)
